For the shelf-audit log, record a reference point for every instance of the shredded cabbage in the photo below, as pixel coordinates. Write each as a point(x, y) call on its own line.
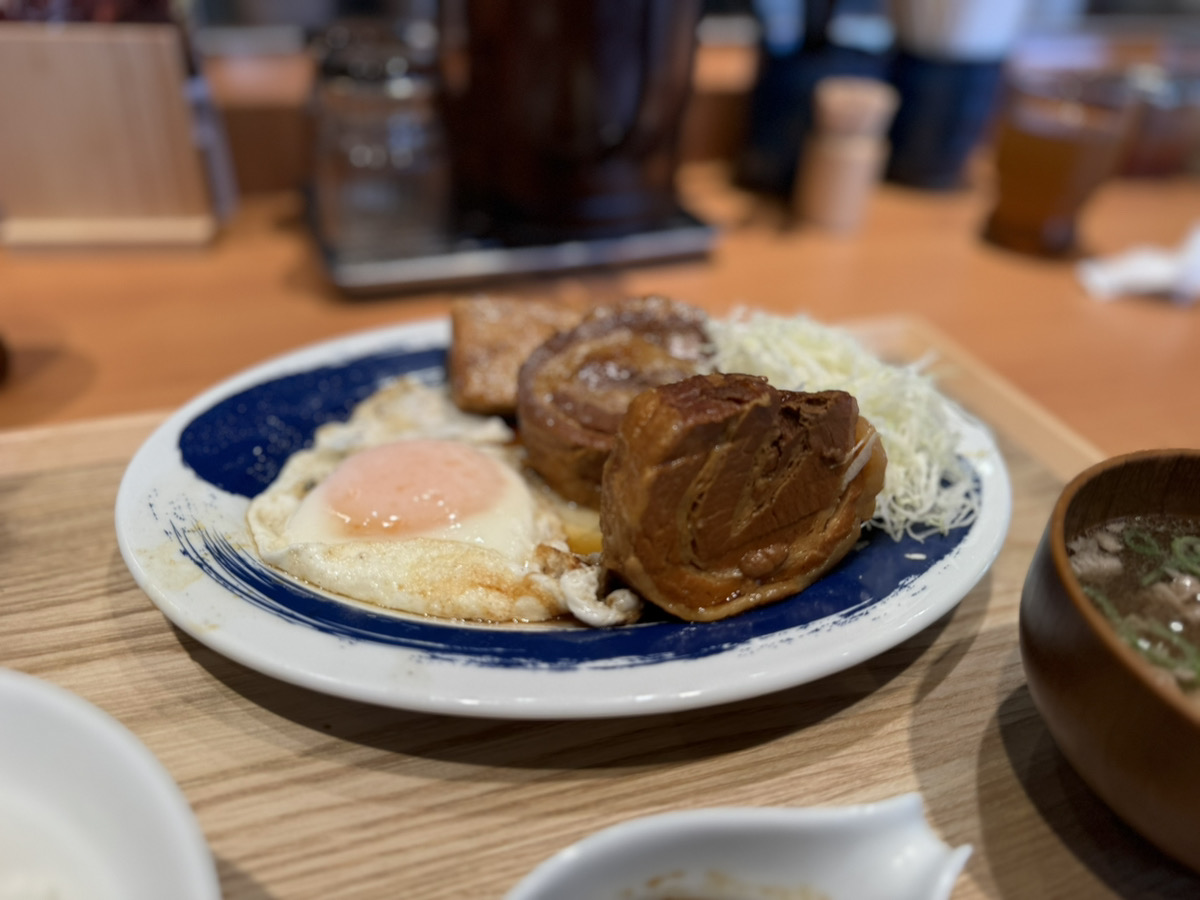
point(928, 487)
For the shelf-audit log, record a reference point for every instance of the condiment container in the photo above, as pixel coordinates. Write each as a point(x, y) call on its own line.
point(846, 153)
point(382, 184)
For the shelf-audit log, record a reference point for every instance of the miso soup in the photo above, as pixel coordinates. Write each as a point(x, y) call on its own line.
point(1143, 573)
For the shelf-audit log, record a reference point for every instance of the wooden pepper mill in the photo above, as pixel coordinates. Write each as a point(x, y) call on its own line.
point(845, 155)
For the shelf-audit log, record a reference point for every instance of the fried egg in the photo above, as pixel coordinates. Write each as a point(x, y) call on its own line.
point(415, 506)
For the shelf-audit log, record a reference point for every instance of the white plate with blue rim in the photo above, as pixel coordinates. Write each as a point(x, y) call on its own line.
point(181, 526)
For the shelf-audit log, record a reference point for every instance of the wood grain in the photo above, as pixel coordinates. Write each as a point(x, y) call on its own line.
point(306, 796)
point(98, 141)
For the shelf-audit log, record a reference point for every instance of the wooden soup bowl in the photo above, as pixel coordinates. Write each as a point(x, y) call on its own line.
point(1134, 741)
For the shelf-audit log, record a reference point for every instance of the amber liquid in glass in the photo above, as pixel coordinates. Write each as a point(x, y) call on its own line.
point(1050, 158)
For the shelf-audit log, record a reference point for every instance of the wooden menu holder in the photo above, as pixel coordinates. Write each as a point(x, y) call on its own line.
point(96, 138)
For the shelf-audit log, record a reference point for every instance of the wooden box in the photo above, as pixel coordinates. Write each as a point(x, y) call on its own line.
point(97, 138)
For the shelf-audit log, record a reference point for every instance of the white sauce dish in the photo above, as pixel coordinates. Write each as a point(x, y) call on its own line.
point(878, 851)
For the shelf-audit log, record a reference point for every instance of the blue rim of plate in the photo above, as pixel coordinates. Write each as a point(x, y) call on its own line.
point(238, 443)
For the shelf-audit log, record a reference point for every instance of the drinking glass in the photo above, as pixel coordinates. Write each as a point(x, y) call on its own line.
point(1060, 136)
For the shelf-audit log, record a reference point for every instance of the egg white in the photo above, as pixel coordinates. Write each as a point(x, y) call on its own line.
point(507, 566)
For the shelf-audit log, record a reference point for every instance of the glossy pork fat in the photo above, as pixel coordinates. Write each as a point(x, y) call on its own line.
point(722, 493)
point(573, 390)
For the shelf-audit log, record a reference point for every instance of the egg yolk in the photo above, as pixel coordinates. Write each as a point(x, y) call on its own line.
point(412, 487)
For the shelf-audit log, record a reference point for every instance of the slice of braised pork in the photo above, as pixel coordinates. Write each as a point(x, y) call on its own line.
point(723, 493)
point(573, 390)
point(492, 337)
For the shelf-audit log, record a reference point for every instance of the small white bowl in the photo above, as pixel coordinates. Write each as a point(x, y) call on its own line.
point(86, 810)
point(878, 851)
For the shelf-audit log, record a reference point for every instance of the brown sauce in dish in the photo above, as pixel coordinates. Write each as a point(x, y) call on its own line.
point(714, 884)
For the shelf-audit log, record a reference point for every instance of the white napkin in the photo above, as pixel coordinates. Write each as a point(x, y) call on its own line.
point(1174, 274)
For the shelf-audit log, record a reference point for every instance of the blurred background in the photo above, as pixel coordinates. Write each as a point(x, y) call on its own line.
point(430, 149)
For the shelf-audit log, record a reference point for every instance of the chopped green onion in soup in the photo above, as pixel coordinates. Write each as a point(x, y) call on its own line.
point(1143, 574)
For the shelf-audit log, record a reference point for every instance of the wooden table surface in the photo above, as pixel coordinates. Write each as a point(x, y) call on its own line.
point(301, 795)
